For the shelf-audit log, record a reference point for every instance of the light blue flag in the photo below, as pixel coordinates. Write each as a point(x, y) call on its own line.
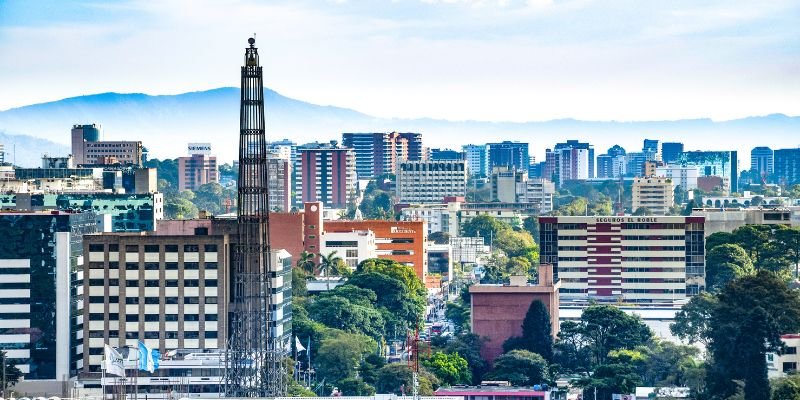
point(145, 358)
point(156, 357)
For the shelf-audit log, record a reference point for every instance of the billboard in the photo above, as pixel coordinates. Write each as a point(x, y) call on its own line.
point(199, 148)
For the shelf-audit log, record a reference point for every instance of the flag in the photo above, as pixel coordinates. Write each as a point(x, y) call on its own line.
point(145, 358)
point(113, 362)
point(156, 358)
point(298, 345)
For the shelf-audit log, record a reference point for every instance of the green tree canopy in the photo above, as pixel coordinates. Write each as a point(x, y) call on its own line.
point(398, 379)
point(536, 332)
point(521, 368)
point(607, 328)
point(439, 237)
point(691, 322)
point(724, 263)
point(450, 369)
point(750, 315)
point(340, 354)
point(340, 313)
point(392, 294)
point(485, 226)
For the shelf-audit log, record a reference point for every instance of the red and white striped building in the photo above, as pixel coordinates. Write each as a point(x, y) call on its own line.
point(634, 259)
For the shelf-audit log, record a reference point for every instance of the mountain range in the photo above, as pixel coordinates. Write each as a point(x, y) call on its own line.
point(166, 123)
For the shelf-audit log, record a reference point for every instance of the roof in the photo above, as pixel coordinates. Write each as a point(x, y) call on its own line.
point(488, 391)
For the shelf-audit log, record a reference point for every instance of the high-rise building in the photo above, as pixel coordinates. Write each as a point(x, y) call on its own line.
point(654, 194)
point(87, 149)
point(379, 153)
point(279, 181)
point(477, 156)
point(573, 164)
point(2, 154)
point(612, 164)
point(651, 146)
point(168, 291)
point(198, 169)
point(40, 265)
point(724, 164)
point(632, 259)
point(446, 154)
point(684, 176)
point(507, 183)
point(326, 173)
point(762, 162)
point(635, 163)
point(510, 155)
point(574, 144)
point(431, 181)
point(787, 166)
point(670, 151)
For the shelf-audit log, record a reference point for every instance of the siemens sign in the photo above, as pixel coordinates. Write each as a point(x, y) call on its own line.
point(200, 148)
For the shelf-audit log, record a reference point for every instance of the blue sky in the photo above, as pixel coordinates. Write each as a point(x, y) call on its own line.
point(510, 60)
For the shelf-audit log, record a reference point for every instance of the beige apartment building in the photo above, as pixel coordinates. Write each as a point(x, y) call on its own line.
point(653, 193)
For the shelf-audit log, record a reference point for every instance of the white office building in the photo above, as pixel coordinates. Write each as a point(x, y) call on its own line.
point(352, 247)
point(431, 181)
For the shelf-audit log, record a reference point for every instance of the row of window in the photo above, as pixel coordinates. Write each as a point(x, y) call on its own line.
point(155, 282)
point(153, 248)
point(154, 266)
point(149, 335)
point(150, 300)
point(626, 269)
point(151, 317)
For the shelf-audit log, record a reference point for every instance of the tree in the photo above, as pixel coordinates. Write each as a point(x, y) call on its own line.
point(439, 237)
point(520, 367)
point(306, 262)
point(483, 225)
point(299, 287)
point(753, 239)
point(403, 273)
point(787, 388)
point(12, 373)
point(725, 263)
point(517, 244)
point(789, 243)
point(607, 328)
point(179, 205)
point(399, 379)
point(531, 225)
point(392, 294)
point(642, 211)
point(571, 351)
point(331, 265)
point(750, 315)
point(355, 387)
point(717, 238)
point(340, 354)
point(341, 313)
point(669, 364)
point(579, 206)
point(450, 369)
point(537, 332)
point(468, 346)
point(691, 322)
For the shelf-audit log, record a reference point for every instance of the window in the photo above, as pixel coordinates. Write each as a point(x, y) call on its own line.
point(211, 334)
point(211, 282)
point(170, 317)
point(191, 248)
point(211, 300)
point(151, 248)
point(131, 266)
point(211, 265)
point(171, 248)
point(789, 366)
point(790, 350)
point(132, 318)
point(151, 266)
point(191, 266)
point(113, 247)
point(132, 248)
point(211, 317)
point(171, 266)
point(131, 300)
point(96, 247)
point(210, 248)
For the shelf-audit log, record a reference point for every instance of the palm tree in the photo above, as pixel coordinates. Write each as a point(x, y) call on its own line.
point(306, 262)
point(328, 265)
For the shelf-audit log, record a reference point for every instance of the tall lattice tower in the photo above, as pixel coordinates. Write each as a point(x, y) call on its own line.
point(255, 366)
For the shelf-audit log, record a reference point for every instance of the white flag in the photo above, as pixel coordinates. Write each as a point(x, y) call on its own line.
point(297, 344)
point(113, 362)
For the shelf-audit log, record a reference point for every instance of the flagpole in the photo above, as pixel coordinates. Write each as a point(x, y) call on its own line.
point(103, 375)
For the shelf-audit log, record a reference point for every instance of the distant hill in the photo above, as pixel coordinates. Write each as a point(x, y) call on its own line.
point(166, 123)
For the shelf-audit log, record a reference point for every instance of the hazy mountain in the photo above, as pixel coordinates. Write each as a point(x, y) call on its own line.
point(166, 123)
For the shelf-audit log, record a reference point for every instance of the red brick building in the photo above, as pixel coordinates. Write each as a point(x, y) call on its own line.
point(498, 310)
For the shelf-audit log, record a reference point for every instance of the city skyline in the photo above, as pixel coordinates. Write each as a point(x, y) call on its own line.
point(524, 61)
